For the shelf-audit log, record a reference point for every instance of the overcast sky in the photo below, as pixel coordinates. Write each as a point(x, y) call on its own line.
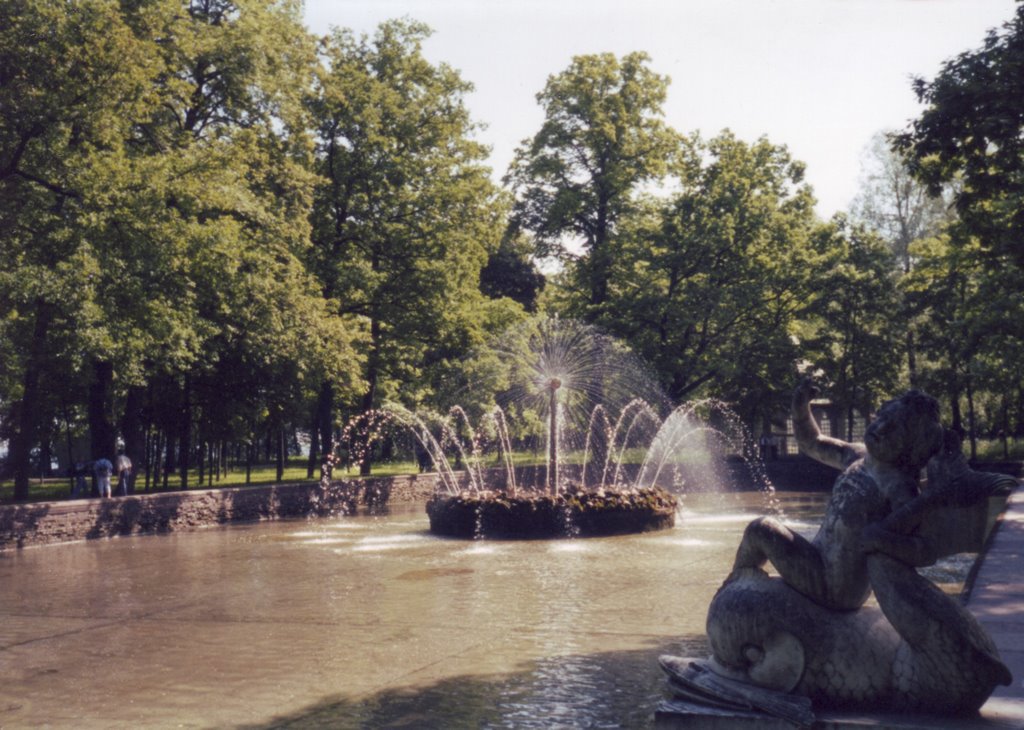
point(820, 76)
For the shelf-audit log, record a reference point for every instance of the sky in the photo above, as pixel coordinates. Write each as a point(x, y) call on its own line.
point(819, 76)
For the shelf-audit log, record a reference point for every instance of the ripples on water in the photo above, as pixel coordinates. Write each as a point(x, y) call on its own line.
point(370, 621)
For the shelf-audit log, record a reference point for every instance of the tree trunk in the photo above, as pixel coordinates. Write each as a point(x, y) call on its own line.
point(911, 359)
point(1018, 426)
point(957, 420)
point(133, 431)
point(971, 429)
point(1004, 430)
point(28, 409)
point(147, 465)
point(45, 457)
point(369, 399)
point(170, 449)
point(600, 260)
point(201, 461)
point(102, 435)
point(185, 430)
point(280, 457)
point(314, 446)
point(70, 442)
point(323, 424)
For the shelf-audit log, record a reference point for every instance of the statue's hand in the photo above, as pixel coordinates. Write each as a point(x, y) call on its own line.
point(909, 549)
point(804, 393)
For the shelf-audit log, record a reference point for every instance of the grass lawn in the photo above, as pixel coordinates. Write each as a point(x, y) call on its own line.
point(262, 475)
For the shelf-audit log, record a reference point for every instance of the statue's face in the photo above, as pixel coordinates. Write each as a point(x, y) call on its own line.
point(906, 431)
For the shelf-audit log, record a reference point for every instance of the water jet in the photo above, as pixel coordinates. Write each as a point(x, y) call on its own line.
point(612, 464)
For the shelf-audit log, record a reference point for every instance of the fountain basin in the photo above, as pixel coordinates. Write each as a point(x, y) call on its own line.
point(540, 515)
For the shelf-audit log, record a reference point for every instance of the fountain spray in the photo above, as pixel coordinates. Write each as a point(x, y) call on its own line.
point(553, 385)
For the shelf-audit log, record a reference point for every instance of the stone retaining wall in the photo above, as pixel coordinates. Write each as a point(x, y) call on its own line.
point(43, 523)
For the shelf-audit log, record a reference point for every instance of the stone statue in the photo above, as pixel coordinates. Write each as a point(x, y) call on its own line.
point(782, 644)
point(880, 475)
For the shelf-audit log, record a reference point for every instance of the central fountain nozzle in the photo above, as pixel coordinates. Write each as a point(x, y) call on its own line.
point(553, 385)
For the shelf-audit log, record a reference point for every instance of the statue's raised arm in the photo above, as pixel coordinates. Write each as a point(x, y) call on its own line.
point(826, 449)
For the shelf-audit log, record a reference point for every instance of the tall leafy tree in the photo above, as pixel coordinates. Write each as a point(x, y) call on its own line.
point(710, 286)
point(70, 77)
point(972, 131)
point(576, 180)
point(224, 152)
point(895, 204)
point(154, 167)
point(512, 272)
point(406, 214)
point(856, 338)
point(901, 209)
point(970, 325)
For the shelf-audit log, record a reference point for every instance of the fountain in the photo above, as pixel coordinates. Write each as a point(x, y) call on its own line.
point(612, 465)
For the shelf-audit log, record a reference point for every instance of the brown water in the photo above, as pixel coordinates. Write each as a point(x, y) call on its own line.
point(360, 622)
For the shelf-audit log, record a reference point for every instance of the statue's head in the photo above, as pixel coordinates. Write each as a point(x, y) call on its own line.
point(906, 431)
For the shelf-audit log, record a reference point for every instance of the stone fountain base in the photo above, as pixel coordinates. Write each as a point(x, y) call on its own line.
point(537, 515)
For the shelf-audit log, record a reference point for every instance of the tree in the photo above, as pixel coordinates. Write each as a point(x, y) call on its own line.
point(897, 206)
point(710, 285)
point(972, 131)
point(970, 325)
point(155, 208)
point(70, 76)
point(222, 157)
point(406, 214)
point(856, 339)
point(511, 272)
point(602, 140)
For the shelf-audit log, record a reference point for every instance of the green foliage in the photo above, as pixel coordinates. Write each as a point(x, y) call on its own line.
point(405, 215)
point(894, 204)
point(856, 338)
point(967, 292)
point(158, 178)
point(711, 281)
point(511, 272)
point(972, 132)
point(602, 139)
point(208, 220)
point(969, 330)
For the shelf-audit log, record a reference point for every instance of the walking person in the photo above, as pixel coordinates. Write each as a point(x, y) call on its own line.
point(103, 469)
point(78, 472)
point(124, 473)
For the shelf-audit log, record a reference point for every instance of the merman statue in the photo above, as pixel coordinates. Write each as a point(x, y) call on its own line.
point(805, 639)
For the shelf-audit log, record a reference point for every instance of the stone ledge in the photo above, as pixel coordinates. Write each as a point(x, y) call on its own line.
point(997, 714)
point(46, 523)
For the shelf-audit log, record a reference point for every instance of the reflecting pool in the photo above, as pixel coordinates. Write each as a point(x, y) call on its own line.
point(362, 621)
